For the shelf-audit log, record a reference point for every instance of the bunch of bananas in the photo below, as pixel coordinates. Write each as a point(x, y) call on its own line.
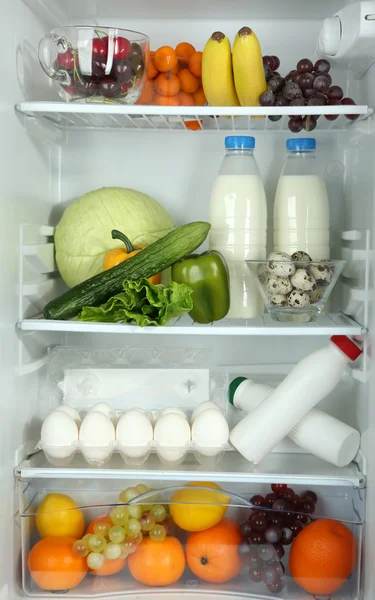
point(233, 79)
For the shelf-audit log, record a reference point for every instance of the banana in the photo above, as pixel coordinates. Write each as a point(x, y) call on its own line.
point(217, 73)
point(249, 78)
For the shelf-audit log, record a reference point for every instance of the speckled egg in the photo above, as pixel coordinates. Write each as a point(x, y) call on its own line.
point(298, 299)
point(278, 285)
point(321, 273)
point(280, 264)
point(316, 294)
point(279, 300)
point(303, 281)
point(262, 272)
point(301, 257)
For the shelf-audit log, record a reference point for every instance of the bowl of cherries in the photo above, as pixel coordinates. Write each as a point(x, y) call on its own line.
point(96, 64)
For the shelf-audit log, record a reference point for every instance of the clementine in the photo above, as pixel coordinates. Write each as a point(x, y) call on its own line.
point(158, 563)
point(53, 566)
point(167, 84)
point(195, 64)
point(184, 51)
point(212, 555)
point(165, 59)
point(322, 556)
point(166, 100)
point(200, 97)
point(189, 83)
point(110, 567)
point(186, 99)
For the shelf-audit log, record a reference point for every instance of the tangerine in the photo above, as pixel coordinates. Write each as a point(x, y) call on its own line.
point(53, 566)
point(200, 97)
point(158, 563)
point(166, 100)
point(186, 99)
point(167, 84)
point(322, 556)
point(151, 68)
point(213, 554)
point(189, 83)
point(165, 59)
point(184, 51)
point(195, 64)
point(148, 93)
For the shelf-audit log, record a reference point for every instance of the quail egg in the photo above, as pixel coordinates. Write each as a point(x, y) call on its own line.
point(278, 285)
point(262, 272)
point(279, 300)
point(316, 294)
point(303, 281)
point(321, 273)
point(301, 257)
point(298, 299)
point(280, 264)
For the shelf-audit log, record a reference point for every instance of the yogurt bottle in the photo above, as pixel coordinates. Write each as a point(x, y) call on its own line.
point(238, 216)
point(301, 210)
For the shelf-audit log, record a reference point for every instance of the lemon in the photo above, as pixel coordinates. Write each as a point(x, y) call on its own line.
point(58, 515)
point(197, 510)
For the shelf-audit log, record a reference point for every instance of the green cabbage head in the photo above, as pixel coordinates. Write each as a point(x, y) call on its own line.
point(83, 235)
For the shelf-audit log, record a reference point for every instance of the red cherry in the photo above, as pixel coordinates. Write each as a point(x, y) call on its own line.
point(65, 60)
point(100, 46)
point(122, 48)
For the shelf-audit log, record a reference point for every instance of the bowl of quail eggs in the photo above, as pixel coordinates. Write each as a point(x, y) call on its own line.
point(294, 287)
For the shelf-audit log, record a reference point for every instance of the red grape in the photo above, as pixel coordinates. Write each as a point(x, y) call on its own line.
point(322, 66)
point(245, 529)
point(256, 575)
point(273, 534)
point(328, 77)
point(269, 61)
point(308, 507)
point(266, 552)
point(271, 574)
point(276, 588)
point(333, 103)
point(281, 100)
point(296, 528)
point(276, 62)
point(275, 84)
point(349, 101)
point(308, 93)
point(335, 93)
point(122, 48)
point(321, 83)
point(292, 90)
point(267, 72)
point(292, 76)
point(280, 504)
point(315, 101)
point(305, 81)
point(100, 46)
point(295, 501)
point(309, 123)
point(257, 500)
point(244, 549)
point(256, 538)
point(279, 550)
point(309, 495)
point(280, 568)
point(305, 66)
point(277, 519)
point(287, 536)
point(304, 519)
point(278, 487)
point(254, 560)
point(258, 522)
point(295, 125)
point(267, 99)
point(274, 117)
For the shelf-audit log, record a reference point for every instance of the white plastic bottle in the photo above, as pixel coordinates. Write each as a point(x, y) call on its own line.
point(318, 433)
point(301, 210)
point(311, 380)
point(238, 217)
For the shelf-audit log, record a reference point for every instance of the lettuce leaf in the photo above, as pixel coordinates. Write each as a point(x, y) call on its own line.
point(142, 302)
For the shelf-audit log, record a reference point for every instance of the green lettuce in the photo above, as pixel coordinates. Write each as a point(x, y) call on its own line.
point(142, 302)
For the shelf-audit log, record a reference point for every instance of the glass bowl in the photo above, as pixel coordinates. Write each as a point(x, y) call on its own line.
point(295, 291)
point(96, 64)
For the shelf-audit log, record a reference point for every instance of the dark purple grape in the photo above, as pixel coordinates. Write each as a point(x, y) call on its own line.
point(256, 538)
point(87, 86)
point(254, 560)
point(266, 552)
point(333, 117)
point(309, 124)
point(287, 536)
point(271, 574)
point(309, 93)
point(110, 88)
point(322, 66)
point(292, 90)
point(257, 500)
point(258, 522)
point(292, 76)
point(321, 84)
point(274, 117)
point(277, 488)
point(269, 500)
point(138, 65)
point(281, 503)
point(309, 495)
point(296, 528)
point(281, 100)
point(305, 81)
point(245, 529)
point(295, 125)
point(244, 549)
point(276, 62)
point(267, 99)
point(98, 66)
point(305, 66)
point(335, 93)
point(276, 588)
point(267, 72)
point(268, 60)
point(273, 534)
point(308, 507)
point(256, 575)
point(277, 519)
point(276, 83)
point(304, 519)
point(349, 101)
point(279, 551)
point(315, 101)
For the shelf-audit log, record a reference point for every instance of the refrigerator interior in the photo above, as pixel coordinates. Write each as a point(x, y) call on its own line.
point(45, 165)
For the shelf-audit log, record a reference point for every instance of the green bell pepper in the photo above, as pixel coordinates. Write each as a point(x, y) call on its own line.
point(207, 274)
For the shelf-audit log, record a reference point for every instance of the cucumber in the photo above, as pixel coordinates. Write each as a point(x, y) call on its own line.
point(155, 258)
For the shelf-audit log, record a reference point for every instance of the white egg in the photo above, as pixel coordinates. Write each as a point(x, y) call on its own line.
point(210, 432)
point(172, 435)
point(202, 407)
point(134, 433)
point(72, 412)
point(97, 437)
point(59, 435)
point(104, 408)
point(172, 410)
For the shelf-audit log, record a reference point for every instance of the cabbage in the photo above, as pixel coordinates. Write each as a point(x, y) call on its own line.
point(83, 235)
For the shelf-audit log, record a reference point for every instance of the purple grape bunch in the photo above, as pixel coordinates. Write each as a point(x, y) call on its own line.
point(267, 532)
point(307, 85)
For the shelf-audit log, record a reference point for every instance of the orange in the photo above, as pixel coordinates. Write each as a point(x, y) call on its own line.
point(184, 51)
point(58, 514)
point(165, 59)
point(186, 99)
point(213, 554)
point(199, 97)
point(53, 566)
point(322, 557)
point(189, 83)
point(195, 64)
point(167, 84)
point(148, 93)
point(151, 69)
point(110, 567)
point(166, 100)
point(158, 563)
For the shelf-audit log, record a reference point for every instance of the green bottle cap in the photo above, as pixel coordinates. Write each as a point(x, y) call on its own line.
point(233, 387)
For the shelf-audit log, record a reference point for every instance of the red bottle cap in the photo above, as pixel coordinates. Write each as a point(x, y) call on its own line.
point(346, 346)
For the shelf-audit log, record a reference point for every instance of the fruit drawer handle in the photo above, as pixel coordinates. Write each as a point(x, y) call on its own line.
point(46, 51)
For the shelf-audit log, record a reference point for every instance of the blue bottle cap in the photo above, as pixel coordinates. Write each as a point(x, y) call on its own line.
point(240, 142)
point(301, 144)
